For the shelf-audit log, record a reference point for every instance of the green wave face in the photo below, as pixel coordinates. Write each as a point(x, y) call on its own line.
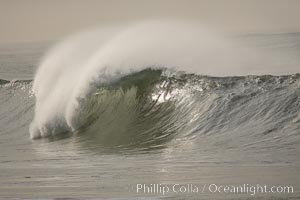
point(153, 109)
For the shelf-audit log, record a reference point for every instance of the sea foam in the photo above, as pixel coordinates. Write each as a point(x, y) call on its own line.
point(72, 69)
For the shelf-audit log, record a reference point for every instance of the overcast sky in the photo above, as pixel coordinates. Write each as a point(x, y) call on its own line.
point(39, 20)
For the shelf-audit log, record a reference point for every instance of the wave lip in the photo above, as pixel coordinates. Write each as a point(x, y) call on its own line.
point(75, 68)
point(82, 82)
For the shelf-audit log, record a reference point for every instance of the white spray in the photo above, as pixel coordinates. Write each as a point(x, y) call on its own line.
point(69, 69)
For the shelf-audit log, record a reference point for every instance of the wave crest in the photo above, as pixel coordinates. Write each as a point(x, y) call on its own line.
point(68, 82)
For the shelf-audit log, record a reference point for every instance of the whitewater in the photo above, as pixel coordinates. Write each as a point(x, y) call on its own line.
point(150, 103)
point(75, 68)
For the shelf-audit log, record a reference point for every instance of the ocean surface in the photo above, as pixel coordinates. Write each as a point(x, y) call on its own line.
point(152, 129)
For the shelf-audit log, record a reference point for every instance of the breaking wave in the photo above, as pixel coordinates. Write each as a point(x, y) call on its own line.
point(142, 87)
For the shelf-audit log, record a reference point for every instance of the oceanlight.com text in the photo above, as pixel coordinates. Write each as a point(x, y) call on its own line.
point(250, 189)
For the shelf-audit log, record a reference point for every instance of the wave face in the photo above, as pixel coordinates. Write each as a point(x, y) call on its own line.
point(151, 108)
point(130, 83)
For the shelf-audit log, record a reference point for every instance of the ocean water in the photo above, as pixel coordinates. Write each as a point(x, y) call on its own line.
point(151, 128)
